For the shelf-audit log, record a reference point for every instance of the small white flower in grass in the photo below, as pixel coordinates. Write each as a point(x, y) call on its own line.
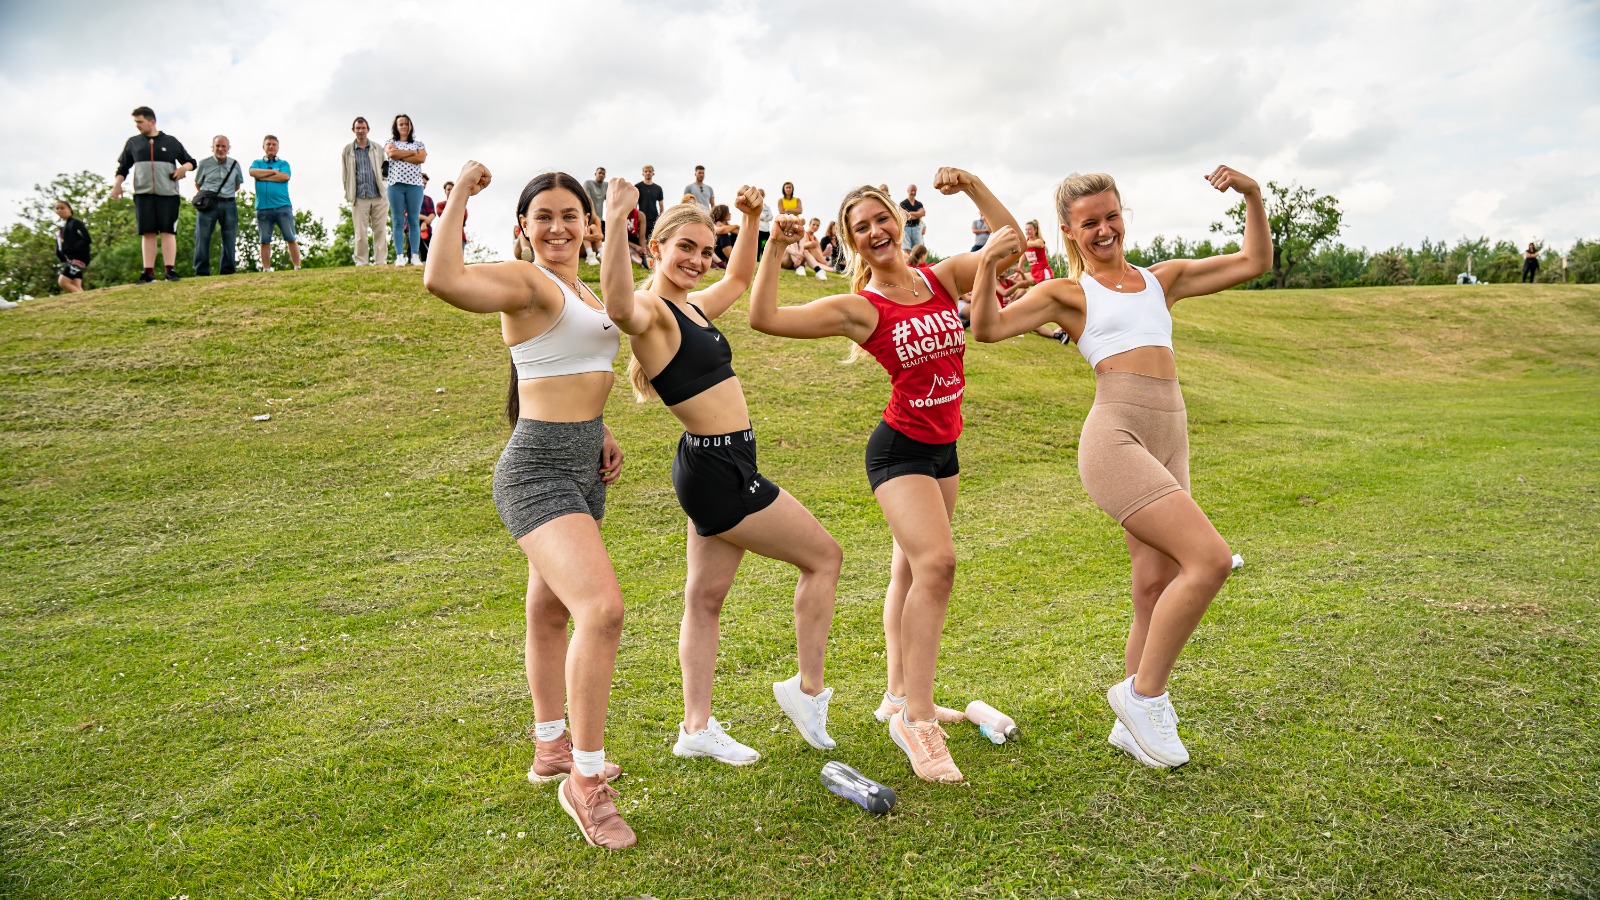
point(520, 834)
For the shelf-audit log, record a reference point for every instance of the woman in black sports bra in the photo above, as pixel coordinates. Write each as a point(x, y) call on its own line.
point(681, 357)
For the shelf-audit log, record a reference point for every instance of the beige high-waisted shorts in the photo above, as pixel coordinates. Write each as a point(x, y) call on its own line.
point(1134, 448)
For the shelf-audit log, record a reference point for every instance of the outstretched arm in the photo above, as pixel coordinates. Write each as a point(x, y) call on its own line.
point(962, 268)
point(616, 269)
point(841, 315)
point(716, 299)
point(485, 288)
point(1198, 277)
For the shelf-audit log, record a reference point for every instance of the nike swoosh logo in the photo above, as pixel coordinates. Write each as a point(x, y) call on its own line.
point(606, 326)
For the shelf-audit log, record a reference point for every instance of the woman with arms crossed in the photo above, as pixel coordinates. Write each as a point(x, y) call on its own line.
point(681, 357)
point(1133, 455)
point(906, 318)
point(550, 483)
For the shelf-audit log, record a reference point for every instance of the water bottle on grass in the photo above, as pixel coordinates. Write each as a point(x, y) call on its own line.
point(994, 724)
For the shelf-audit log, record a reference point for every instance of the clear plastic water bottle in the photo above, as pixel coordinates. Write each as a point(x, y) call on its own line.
point(994, 724)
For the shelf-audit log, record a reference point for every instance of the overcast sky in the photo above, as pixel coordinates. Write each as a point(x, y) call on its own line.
point(1426, 118)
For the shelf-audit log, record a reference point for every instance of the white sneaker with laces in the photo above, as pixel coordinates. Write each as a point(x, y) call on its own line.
point(809, 714)
point(593, 259)
point(821, 276)
point(712, 742)
point(1153, 724)
point(801, 271)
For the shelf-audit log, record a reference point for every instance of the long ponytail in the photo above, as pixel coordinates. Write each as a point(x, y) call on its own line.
point(1073, 188)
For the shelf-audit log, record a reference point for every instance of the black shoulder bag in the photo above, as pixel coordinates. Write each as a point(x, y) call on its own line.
point(204, 200)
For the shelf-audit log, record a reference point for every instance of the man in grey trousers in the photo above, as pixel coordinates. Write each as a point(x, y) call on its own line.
point(363, 190)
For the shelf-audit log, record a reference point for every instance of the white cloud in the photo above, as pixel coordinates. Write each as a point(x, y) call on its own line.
point(1414, 114)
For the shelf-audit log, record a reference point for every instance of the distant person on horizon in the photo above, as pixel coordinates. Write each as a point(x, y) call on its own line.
point(361, 163)
point(763, 229)
point(980, 234)
point(914, 213)
point(1037, 253)
point(1530, 264)
point(429, 212)
point(807, 251)
point(222, 176)
point(789, 204)
point(72, 248)
point(700, 191)
point(273, 209)
point(596, 189)
point(726, 232)
point(406, 155)
point(652, 200)
point(158, 162)
point(450, 186)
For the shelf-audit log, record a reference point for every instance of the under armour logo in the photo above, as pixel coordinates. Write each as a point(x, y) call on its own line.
point(902, 330)
point(716, 337)
point(755, 484)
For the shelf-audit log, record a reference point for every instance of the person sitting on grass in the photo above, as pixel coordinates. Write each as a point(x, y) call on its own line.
point(727, 234)
point(806, 252)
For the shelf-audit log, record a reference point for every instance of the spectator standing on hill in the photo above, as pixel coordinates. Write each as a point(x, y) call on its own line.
point(72, 248)
point(362, 164)
point(1530, 264)
point(425, 216)
point(652, 200)
point(789, 204)
point(914, 214)
point(1036, 252)
point(273, 209)
point(700, 191)
point(980, 234)
point(596, 189)
point(764, 229)
point(404, 181)
point(158, 162)
point(221, 176)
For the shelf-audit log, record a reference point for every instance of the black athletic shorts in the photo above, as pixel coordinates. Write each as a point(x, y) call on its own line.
point(73, 270)
point(716, 480)
point(891, 454)
point(156, 215)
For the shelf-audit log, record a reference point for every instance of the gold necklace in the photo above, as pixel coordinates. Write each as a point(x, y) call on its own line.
point(1120, 279)
point(910, 290)
point(586, 290)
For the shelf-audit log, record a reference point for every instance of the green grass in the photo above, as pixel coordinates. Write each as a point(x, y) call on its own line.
point(283, 659)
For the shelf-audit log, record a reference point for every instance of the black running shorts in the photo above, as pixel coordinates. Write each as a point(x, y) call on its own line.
point(716, 480)
point(891, 454)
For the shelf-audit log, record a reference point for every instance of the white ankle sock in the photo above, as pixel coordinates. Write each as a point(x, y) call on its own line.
point(589, 762)
point(549, 731)
point(897, 701)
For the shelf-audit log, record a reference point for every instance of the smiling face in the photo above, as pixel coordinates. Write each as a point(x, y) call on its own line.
point(874, 231)
point(554, 224)
point(1095, 224)
point(684, 256)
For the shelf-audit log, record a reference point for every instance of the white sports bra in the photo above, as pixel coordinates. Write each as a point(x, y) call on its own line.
point(583, 339)
point(1116, 323)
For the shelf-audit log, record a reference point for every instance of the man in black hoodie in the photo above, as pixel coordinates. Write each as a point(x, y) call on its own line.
point(158, 162)
point(72, 248)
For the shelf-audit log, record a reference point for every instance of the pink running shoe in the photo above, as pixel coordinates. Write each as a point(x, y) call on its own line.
point(552, 761)
point(923, 743)
point(592, 803)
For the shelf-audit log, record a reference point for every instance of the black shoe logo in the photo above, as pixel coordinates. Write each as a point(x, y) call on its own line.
point(606, 327)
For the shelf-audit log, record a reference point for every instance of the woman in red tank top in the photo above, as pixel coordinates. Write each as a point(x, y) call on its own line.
point(905, 317)
point(1037, 254)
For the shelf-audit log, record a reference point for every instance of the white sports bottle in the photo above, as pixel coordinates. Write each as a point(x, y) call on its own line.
point(995, 725)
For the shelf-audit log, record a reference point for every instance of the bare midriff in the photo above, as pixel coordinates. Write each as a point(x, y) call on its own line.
point(564, 398)
point(719, 409)
point(1156, 362)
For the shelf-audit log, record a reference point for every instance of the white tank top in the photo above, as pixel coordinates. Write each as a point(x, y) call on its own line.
point(583, 339)
point(1116, 323)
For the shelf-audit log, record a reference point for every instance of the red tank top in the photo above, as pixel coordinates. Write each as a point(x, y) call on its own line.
point(921, 348)
point(1039, 264)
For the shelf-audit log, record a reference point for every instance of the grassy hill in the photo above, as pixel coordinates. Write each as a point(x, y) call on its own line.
point(283, 658)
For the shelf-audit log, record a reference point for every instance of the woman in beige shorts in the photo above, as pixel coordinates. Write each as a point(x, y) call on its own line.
point(1133, 454)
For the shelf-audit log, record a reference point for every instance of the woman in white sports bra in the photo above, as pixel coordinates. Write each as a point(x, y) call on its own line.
point(1133, 455)
point(549, 485)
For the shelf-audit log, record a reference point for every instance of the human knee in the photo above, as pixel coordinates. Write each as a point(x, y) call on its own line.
point(705, 600)
point(935, 571)
point(1215, 564)
point(827, 560)
point(602, 614)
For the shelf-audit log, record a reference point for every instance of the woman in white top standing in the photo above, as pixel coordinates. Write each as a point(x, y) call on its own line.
point(405, 155)
point(1133, 455)
point(550, 483)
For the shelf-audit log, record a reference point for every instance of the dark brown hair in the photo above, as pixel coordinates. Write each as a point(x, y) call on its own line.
point(538, 184)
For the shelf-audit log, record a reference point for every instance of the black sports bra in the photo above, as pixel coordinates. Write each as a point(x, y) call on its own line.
point(703, 359)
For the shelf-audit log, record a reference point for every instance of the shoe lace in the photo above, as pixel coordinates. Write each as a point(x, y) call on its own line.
point(933, 746)
point(822, 711)
point(720, 737)
point(601, 801)
point(1165, 718)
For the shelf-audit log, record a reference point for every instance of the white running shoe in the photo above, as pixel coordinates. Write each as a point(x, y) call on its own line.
point(1153, 724)
point(801, 271)
point(593, 259)
point(7, 304)
point(399, 262)
point(1122, 740)
point(821, 276)
point(808, 713)
point(713, 743)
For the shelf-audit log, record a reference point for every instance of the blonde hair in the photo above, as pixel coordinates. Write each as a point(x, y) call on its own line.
point(1037, 232)
point(1073, 188)
point(671, 222)
point(858, 271)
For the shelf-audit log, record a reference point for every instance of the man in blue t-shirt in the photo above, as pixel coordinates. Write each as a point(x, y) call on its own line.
point(272, 202)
